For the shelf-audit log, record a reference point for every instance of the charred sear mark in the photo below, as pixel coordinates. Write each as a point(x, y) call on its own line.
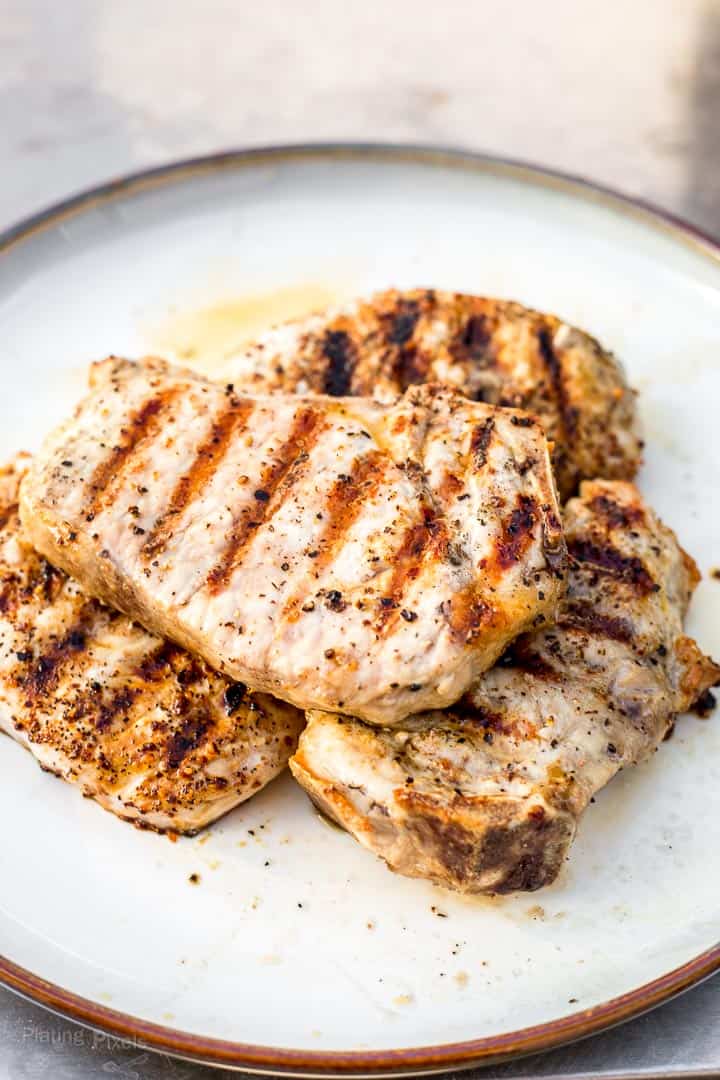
point(339, 350)
point(615, 515)
point(410, 366)
point(467, 615)
point(419, 541)
point(117, 705)
point(49, 580)
point(213, 450)
point(704, 705)
point(288, 466)
point(568, 413)
point(334, 602)
point(469, 712)
point(585, 617)
point(401, 323)
point(523, 657)
point(516, 532)
point(143, 424)
point(158, 664)
point(186, 738)
point(480, 442)
point(345, 502)
point(473, 342)
point(44, 673)
point(234, 697)
point(606, 559)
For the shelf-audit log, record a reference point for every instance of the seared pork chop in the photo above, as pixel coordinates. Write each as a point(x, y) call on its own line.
point(486, 797)
point(339, 553)
point(490, 350)
point(153, 734)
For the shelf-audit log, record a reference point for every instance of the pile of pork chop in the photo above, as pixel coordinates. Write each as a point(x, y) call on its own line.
point(349, 554)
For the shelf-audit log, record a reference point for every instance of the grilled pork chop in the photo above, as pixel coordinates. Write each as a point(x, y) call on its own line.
point(147, 730)
point(341, 554)
point(486, 797)
point(490, 350)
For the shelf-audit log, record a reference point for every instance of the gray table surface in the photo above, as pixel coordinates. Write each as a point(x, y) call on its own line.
point(625, 91)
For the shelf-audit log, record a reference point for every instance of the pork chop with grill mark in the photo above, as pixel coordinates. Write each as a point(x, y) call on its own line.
point(491, 350)
point(150, 732)
point(486, 796)
point(338, 553)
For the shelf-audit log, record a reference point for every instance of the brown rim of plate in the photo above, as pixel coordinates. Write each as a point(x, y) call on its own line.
point(411, 1060)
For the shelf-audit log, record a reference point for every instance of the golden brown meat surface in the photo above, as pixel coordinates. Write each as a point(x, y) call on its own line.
point(491, 350)
point(486, 797)
point(337, 553)
point(150, 732)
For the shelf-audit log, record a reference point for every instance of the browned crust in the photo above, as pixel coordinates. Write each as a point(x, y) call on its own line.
point(471, 844)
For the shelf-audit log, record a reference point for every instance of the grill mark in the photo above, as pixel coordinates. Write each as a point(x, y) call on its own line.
point(209, 457)
point(410, 366)
point(401, 322)
point(419, 540)
point(516, 532)
point(45, 672)
point(145, 423)
point(121, 701)
point(493, 723)
point(617, 516)
point(470, 712)
point(585, 617)
point(480, 442)
point(277, 479)
point(338, 348)
point(568, 413)
point(608, 560)
point(473, 342)
point(522, 657)
point(344, 504)
point(186, 738)
point(156, 665)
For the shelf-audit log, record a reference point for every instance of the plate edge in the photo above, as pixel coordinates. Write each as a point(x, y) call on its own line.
point(408, 1061)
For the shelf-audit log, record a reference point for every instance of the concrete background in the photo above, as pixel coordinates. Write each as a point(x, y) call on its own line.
point(627, 93)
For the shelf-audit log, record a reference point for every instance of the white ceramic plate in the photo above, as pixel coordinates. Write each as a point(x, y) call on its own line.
point(298, 951)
